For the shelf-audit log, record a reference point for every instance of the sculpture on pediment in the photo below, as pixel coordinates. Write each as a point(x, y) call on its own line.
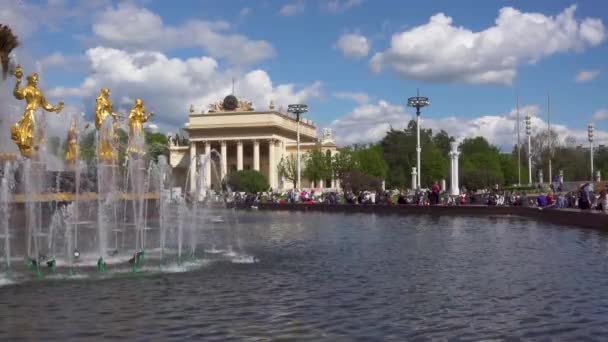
point(215, 107)
point(245, 106)
point(230, 104)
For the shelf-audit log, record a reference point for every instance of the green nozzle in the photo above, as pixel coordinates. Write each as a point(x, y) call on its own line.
point(101, 265)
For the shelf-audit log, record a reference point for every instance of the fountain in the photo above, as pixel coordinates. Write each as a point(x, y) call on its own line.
point(116, 209)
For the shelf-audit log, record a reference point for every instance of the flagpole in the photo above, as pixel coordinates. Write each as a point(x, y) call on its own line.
point(550, 136)
point(518, 146)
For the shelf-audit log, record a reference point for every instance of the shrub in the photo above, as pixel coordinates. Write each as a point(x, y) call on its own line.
point(248, 180)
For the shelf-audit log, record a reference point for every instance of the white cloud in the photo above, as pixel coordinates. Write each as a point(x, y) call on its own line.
point(56, 58)
point(336, 6)
point(360, 98)
point(353, 45)
point(441, 51)
point(170, 85)
point(292, 8)
point(135, 28)
point(601, 114)
point(27, 17)
point(587, 75)
point(370, 122)
point(245, 11)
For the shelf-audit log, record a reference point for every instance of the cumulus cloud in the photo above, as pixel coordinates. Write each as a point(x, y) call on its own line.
point(336, 6)
point(170, 85)
point(130, 27)
point(292, 8)
point(360, 98)
point(586, 75)
point(442, 51)
point(370, 122)
point(601, 114)
point(353, 45)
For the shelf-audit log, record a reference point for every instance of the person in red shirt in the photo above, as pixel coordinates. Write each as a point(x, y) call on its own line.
point(436, 189)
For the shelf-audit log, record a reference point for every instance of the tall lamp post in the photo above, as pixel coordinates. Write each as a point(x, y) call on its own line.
point(529, 133)
point(590, 136)
point(418, 102)
point(298, 110)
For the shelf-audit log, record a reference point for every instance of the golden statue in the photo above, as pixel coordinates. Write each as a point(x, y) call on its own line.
point(104, 110)
point(25, 132)
point(71, 156)
point(137, 118)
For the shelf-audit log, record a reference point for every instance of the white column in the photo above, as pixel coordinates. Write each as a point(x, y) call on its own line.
point(256, 155)
point(454, 186)
point(333, 183)
point(529, 160)
point(414, 178)
point(298, 184)
point(272, 168)
point(193, 159)
point(591, 158)
point(207, 164)
point(456, 173)
point(239, 155)
point(224, 152)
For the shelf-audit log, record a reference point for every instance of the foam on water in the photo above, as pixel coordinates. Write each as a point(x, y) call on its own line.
point(5, 281)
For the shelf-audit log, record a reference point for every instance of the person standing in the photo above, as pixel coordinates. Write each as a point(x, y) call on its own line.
point(435, 190)
point(584, 202)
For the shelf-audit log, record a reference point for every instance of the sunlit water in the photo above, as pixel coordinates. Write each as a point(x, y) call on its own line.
point(313, 276)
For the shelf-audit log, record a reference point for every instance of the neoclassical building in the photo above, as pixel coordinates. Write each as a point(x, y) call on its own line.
point(234, 136)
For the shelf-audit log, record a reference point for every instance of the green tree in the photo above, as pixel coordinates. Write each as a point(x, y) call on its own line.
point(508, 165)
point(251, 181)
point(342, 163)
point(399, 151)
point(481, 164)
point(316, 166)
point(288, 168)
point(443, 141)
point(88, 146)
point(356, 181)
point(156, 145)
point(370, 160)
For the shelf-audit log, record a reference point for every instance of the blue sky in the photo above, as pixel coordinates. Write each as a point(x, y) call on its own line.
point(354, 62)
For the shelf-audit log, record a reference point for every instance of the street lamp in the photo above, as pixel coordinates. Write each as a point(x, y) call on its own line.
point(590, 136)
point(529, 133)
point(298, 110)
point(418, 102)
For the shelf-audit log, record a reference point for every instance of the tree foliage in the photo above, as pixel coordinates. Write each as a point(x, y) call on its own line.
point(481, 164)
point(356, 181)
point(399, 152)
point(317, 167)
point(288, 168)
point(251, 181)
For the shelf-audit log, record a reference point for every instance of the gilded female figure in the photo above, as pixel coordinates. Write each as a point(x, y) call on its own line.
point(71, 156)
point(25, 132)
point(137, 118)
point(104, 110)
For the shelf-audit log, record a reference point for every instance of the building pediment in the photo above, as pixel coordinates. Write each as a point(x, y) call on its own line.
point(231, 104)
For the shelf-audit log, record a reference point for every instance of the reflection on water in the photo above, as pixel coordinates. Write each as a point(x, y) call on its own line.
point(341, 277)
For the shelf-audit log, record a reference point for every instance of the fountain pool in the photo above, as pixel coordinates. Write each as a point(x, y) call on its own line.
point(320, 276)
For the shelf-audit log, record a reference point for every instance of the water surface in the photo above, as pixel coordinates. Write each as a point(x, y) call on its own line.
point(320, 276)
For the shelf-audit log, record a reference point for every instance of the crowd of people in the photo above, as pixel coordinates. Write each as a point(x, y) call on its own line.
point(584, 198)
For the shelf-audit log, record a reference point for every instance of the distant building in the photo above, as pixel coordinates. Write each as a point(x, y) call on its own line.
point(235, 136)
